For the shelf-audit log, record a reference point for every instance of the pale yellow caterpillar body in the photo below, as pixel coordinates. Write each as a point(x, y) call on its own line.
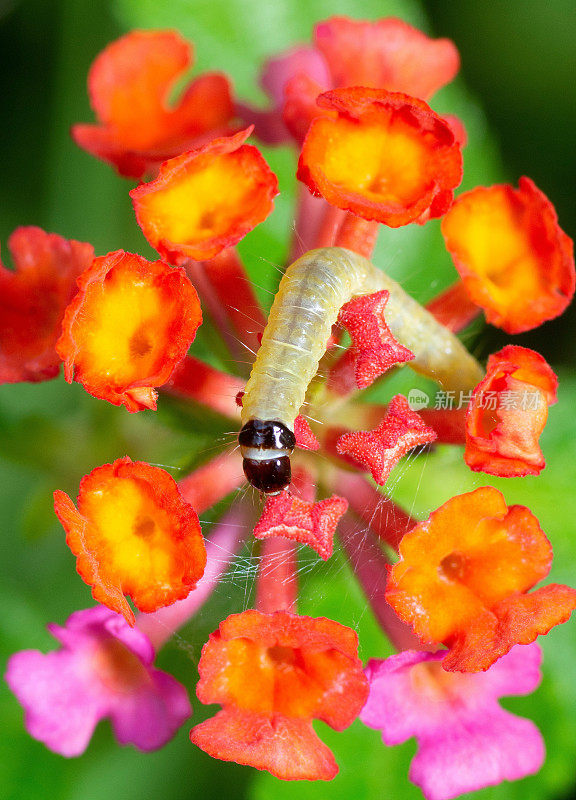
point(311, 293)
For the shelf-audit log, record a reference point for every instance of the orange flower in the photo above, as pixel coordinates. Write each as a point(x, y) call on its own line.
point(388, 54)
point(133, 534)
point(514, 259)
point(508, 412)
point(385, 156)
point(463, 575)
point(206, 200)
point(127, 328)
point(383, 54)
point(273, 674)
point(129, 85)
point(33, 299)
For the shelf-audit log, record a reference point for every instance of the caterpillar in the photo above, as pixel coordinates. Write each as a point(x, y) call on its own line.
point(309, 298)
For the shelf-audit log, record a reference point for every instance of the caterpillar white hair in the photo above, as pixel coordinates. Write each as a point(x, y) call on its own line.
point(311, 293)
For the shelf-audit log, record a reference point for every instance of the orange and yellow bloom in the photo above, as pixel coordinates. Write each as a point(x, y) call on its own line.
point(273, 674)
point(514, 259)
point(384, 156)
point(127, 328)
point(374, 152)
point(186, 213)
point(133, 534)
point(463, 578)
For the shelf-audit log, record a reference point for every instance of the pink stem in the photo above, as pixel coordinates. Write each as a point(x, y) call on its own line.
point(342, 375)
point(211, 303)
point(371, 568)
point(454, 308)
point(277, 588)
point(195, 380)
point(221, 548)
point(208, 484)
point(309, 215)
point(328, 230)
point(358, 234)
point(385, 519)
point(231, 283)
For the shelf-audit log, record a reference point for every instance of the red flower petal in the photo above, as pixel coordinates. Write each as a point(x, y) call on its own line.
point(133, 534)
point(129, 85)
point(463, 575)
point(388, 54)
point(270, 670)
point(374, 349)
point(381, 449)
point(304, 435)
point(127, 328)
point(508, 412)
point(186, 214)
point(33, 299)
point(313, 524)
point(288, 748)
point(386, 157)
point(515, 260)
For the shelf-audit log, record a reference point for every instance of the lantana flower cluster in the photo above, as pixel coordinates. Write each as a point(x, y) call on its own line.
point(454, 593)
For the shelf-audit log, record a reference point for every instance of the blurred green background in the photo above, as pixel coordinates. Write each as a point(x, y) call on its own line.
point(518, 67)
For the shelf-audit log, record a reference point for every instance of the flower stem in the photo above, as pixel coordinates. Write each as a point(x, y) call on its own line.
point(454, 308)
point(202, 383)
point(213, 305)
point(228, 277)
point(358, 234)
point(212, 481)
point(310, 212)
point(386, 519)
point(277, 587)
point(371, 568)
point(328, 229)
point(449, 424)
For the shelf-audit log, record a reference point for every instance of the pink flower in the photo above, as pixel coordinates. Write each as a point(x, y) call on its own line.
point(103, 669)
point(466, 741)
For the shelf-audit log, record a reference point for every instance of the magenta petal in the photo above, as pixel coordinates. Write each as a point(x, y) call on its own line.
point(60, 708)
point(392, 706)
point(465, 739)
point(103, 669)
point(269, 125)
point(277, 72)
point(84, 627)
point(150, 716)
point(516, 673)
point(297, 61)
point(469, 755)
point(132, 638)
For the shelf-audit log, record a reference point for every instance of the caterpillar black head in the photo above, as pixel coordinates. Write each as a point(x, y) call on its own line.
point(266, 446)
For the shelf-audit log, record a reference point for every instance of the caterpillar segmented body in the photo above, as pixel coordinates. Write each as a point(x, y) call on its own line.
point(311, 293)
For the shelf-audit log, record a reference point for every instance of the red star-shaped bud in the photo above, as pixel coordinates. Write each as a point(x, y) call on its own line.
point(381, 449)
point(304, 436)
point(308, 523)
point(374, 348)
